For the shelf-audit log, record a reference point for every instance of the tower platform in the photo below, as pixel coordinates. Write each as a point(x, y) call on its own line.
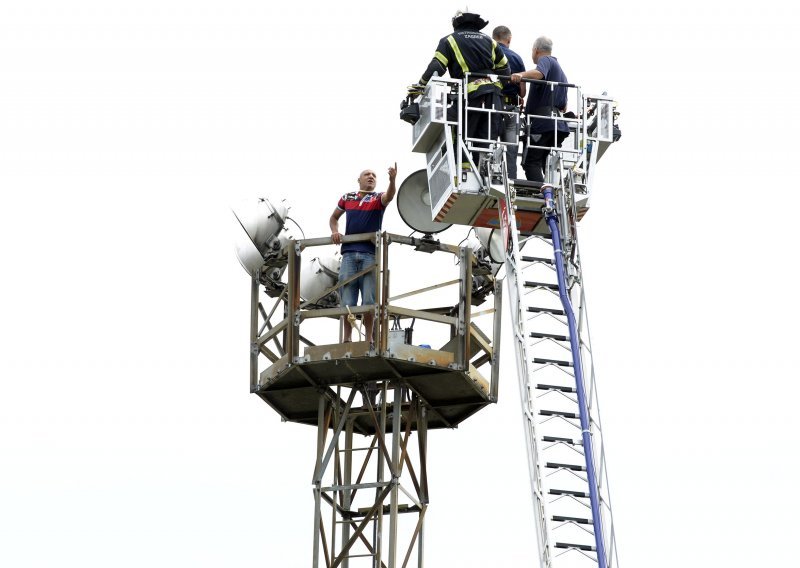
point(452, 395)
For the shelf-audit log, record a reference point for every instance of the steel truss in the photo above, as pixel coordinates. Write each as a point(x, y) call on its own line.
point(363, 492)
point(373, 403)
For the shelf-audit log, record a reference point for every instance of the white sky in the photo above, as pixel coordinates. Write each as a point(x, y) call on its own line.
point(128, 436)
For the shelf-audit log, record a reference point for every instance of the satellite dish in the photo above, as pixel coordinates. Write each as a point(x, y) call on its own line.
point(258, 232)
point(414, 204)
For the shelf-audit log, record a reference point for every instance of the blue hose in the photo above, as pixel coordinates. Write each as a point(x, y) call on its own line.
point(552, 222)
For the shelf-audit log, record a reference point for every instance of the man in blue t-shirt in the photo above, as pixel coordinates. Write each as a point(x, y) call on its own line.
point(364, 209)
point(513, 95)
point(547, 102)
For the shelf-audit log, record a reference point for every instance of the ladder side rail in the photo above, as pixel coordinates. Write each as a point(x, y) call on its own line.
point(583, 412)
point(529, 421)
point(590, 384)
point(593, 404)
point(516, 308)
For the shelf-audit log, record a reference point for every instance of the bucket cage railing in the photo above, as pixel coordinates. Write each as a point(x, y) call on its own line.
point(444, 107)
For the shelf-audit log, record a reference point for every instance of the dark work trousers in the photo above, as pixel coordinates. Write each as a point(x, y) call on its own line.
point(536, 159)
point(482, 124)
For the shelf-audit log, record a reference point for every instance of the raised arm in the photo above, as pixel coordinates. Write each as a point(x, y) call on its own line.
point(438, 63)
point(435, 66)
point(387, 197)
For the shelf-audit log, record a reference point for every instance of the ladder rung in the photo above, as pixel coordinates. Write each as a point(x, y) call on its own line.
point(527, 183)
point(569, 466)
point(556, 439)
point(579, 520)
point(560, 439)
point(532, 284)
point(557, 337)
point(558, 413)
point(556, 387)
point(547, 311)
point(578, 546)
point(558, 362)
point(537, 259)
point(569, 492)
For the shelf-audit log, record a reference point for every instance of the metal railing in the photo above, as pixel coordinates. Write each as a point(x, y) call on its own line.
point(278, 331)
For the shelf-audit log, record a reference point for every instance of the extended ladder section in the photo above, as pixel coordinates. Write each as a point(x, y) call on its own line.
point(564, 436)
point(558, 393)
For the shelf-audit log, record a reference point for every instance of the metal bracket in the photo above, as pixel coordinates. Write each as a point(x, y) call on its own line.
point(425, 244)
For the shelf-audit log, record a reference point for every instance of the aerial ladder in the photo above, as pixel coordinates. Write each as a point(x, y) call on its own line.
point(468, 185)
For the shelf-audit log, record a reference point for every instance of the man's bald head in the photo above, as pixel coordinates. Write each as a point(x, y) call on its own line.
point(367, 181)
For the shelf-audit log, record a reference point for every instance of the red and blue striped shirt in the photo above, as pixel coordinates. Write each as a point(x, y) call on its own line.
point(364, 212)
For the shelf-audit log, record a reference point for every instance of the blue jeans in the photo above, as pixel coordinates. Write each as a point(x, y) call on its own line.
point(352, 263)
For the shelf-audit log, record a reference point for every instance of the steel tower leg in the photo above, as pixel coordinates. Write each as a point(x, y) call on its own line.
point(370, 498)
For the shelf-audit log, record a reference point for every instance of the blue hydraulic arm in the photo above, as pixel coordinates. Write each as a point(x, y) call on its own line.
point(594, 499)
